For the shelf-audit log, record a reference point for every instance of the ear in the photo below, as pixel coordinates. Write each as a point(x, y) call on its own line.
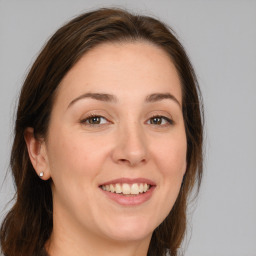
point(37, 154)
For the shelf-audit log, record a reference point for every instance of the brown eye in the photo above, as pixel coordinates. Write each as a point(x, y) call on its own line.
point(156, 120)
point(94, 120)
point(160, 120)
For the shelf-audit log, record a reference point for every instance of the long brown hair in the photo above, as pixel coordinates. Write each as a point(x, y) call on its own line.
point(28, 225)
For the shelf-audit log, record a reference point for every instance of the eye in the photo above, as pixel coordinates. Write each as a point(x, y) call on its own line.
point(94, 120)
point(160, 120)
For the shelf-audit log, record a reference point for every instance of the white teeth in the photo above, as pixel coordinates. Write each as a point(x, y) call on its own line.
point(126, 189)
point(112, 189)
point(135, 189)
point(141, 188)
point(118, 188)
point(145, 187)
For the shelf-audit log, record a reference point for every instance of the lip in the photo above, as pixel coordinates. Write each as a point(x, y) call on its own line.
point(133, 200)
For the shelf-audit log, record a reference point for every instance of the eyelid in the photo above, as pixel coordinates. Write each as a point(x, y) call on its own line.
point(160, 113)
point(167, 119)
point(92, 116)
point(84, 120)
point(96, 112)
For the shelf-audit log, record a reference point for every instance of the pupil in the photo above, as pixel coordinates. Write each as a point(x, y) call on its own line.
point(95, 120)
point(156, 120)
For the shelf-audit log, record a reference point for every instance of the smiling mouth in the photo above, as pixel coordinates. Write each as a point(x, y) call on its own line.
point(126, 189)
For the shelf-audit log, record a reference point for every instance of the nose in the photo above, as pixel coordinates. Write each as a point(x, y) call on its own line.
point(130, 147)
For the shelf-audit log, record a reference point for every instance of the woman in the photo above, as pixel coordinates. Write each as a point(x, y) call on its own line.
point(108, 141)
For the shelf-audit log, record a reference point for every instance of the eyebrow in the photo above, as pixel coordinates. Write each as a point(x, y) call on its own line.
point(96, 96)
point(161, 96)
point(113, 99)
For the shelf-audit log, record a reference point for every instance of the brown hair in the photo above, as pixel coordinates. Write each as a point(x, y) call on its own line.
point(28, 225)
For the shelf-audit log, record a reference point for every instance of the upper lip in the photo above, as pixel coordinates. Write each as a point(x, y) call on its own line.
point(129, 181)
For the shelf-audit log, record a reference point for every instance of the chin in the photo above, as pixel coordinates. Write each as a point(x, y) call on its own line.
point(124, 236)
point(130, 230)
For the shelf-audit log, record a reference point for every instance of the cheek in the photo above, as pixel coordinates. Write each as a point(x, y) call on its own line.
point(172, 165)
point(74, 162)
point(75, 156)
point(171, 156)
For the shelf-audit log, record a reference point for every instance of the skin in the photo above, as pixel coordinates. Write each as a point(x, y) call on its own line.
point(125, 143)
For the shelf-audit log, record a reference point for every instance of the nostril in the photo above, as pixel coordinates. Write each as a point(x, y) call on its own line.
point(131, 162)
point(127, 154)
point(123, 160)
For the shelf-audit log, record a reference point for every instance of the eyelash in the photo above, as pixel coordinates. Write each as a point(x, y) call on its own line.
point(90, 117)
point(168, 120)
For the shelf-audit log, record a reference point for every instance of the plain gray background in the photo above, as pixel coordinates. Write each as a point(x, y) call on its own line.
point(220, 38)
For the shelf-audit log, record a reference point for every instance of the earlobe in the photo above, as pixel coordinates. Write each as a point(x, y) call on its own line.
point(37, 154)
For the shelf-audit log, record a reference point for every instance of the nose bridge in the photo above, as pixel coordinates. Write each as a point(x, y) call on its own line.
point(131, 146)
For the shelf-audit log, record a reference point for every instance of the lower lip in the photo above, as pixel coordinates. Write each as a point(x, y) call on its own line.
point(130, 200)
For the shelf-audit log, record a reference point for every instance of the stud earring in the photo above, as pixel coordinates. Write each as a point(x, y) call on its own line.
point(41, 174)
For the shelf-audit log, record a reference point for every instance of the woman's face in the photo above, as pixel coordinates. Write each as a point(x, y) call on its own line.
point(116, 145)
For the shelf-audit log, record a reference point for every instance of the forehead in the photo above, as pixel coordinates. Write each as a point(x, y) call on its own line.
point(134, 68)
